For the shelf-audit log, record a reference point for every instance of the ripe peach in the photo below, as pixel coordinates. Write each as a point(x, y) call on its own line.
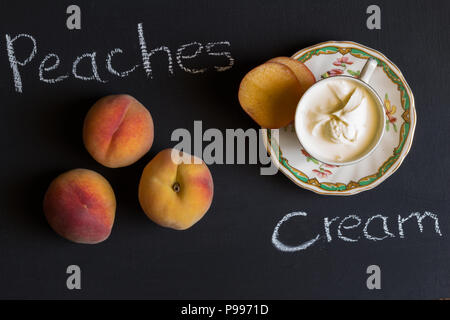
point(173, 194)
point(118, 131)
point(269, 94)
point(80, 206)
point(303, 74)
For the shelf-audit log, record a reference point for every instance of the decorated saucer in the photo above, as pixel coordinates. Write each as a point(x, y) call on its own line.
point(333, 58)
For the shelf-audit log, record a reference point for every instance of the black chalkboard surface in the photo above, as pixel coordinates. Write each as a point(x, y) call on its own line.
point(229, 254)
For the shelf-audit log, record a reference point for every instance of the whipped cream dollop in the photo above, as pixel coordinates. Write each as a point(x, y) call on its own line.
point(339, 120)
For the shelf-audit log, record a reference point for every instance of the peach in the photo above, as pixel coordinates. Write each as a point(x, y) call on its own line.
point(80, 206)
point(303, 74)
point(118, 131)
point(269, 94)
point(173, 194)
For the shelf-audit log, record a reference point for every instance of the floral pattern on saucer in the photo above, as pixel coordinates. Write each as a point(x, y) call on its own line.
point(344, 57)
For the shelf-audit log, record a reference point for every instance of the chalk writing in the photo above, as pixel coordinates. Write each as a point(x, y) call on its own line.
point(419, 218)
point(181, 57)
point(111, 68)
point(283, 247)
point(146, 55)
point(42, 68)
point(353, 226)
point(14, 63)
point(226, 54)
point(385, 228)
point(345, 224)
point(188, 58)
point(91, 57)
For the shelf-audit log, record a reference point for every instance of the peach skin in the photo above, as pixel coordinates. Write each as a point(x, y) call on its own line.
point(118, 131)
point(269, 94)
point(173, 194)
point(303, 74)
point(80, 206)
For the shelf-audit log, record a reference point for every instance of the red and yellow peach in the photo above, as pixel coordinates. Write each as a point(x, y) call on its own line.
point(173, 194)
point(80, 206)
point(118, 131)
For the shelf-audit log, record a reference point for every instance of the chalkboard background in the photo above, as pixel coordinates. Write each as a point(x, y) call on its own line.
point(229, 253)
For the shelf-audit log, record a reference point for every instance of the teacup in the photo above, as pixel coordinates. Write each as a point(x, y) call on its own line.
point(341, 120)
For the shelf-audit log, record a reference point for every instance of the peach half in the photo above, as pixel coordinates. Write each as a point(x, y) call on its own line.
point(269, 94)
point(80, 206)
point(175, 194)
point(118, 131)
point(301, 71)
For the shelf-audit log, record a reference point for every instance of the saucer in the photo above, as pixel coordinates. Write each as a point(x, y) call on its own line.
point(332, 58)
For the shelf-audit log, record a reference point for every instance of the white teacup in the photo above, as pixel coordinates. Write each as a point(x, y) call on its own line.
point(341, 120)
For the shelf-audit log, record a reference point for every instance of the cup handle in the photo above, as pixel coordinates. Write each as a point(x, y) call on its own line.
point(368, 69)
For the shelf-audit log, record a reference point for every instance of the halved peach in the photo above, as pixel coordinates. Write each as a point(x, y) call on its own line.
point(269, 94)
point(303, 74)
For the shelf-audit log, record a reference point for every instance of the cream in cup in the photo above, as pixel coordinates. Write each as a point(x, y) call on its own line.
point(340, 120)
